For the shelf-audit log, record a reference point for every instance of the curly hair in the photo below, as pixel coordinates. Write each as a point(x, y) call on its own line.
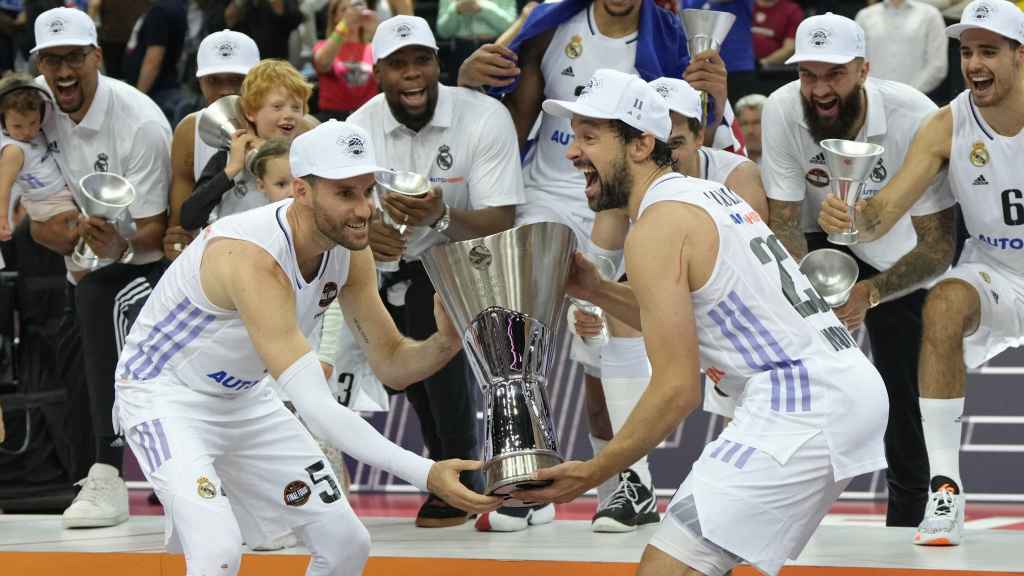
point(661, 155)
point(270, 74)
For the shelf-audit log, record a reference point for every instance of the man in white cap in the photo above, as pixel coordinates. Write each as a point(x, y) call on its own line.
point(836, 97)
point(102, 125)
point(977, 309)
point(465, 143)
point(190, 391)
point(223, 60)
point(717, 293)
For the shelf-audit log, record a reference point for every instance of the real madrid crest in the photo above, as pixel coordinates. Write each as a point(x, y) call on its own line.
point(979, 154)
point(205, 488)
point(574, 49)
point(444, 157)
point(985, 277)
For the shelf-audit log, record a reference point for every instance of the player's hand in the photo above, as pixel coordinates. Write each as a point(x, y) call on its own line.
point(5, 228)
point(102, 237)
point(852, 313)
point(241, 142)
point(443, 480)
point(569, 480)
point(584, 324)
point(834, 216)
point(446, 329)
point(386, 243)
point(707, 73)
point(584, 278)
point(175, 240)
point(489, 65)
point(415, 211)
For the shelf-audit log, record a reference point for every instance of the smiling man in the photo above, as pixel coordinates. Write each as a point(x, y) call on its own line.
point(836, 97)
point(977, 310)
point(465, 143)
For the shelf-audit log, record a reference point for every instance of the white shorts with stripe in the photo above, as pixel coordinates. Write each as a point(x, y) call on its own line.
point(740, 504)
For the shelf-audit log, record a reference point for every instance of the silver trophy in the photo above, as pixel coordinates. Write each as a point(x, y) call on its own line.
point(505, 294)
point(104, 195)
point(607, 269)
point(217, 125)
point(832, 273)
point(408, 184)
point(705, 30)
point(849, 164)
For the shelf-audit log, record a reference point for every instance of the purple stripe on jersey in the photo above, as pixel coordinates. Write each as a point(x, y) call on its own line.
point(176, 346)
point(719, 448)
point(776, 390)
point(733, 339)
point(156, 331)
point(732, 451)
point(805, 386)
point(748, 335)
point(742, 460)
point(151, 440)
point(141, 439)
point(790, 392)
point(143, 370)
point(159, 427)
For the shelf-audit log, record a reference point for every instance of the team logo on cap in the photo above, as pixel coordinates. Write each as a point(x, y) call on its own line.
point(56, 25)
point(982, 11)
point(979, 154)
point(574, 49)
point(821, 38)
point(663, 90)
point(593, 84)
point(444, 157)
point(226, 49)
point(403, 31)
point(354, 145)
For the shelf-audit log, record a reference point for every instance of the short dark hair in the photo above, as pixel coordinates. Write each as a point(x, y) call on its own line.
point(1014, 45)
point(26, 98)
point(661, 155)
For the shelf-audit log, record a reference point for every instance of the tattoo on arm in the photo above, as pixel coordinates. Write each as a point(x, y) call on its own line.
point(931, 257)
point(785, 224)
point(868, 221)
point(359, 328)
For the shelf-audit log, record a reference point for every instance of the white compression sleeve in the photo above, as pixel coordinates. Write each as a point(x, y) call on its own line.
point(306, 386)
point(334, 322)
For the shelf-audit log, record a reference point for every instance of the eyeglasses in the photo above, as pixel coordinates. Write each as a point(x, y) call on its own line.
point(74, 60)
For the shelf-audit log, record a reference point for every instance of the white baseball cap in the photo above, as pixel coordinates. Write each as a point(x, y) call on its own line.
point(828, 38)
point(679, 96)
point(614, 95)
point(64, 27)
point(401, 31)
point(226, 52)
point(999, 16)
point(333, 150)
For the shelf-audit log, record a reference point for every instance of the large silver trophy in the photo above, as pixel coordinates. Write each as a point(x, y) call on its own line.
point(849, 164)
point(832, 273)
point(104, 195)
point(506, 294)
point(705, 30)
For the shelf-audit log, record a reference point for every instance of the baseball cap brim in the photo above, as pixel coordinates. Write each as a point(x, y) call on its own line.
point(240, 70)
point(69, 42)
point(343, 172)
point(377, 58)
point(566, 109)
point(955, 30)
point(826, 58)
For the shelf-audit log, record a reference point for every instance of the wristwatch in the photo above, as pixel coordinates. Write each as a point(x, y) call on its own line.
point(128, 254)
point(874, 297)
point(442, 223)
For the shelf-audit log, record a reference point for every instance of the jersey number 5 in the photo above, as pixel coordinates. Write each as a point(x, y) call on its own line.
point(1013, 207)
point(770, 249)
point(330, 493)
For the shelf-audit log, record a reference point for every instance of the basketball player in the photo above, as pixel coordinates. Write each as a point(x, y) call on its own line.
point(977, 310)
point(715, 292)
point(239, 302)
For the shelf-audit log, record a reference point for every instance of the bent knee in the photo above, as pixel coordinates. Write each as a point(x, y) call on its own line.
point(952, 307)
point(219, 556)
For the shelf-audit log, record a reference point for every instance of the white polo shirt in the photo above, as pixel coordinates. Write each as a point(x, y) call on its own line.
point(123, 132)
point(468, 148)
point(794, 170)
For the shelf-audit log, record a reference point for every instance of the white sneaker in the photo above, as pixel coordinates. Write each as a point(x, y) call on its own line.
point(102, 502)
point(289, 540)
point(515, 519)
point(943, 519)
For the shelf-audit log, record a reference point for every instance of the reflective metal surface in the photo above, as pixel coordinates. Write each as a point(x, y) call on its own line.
point(220, 120)
point(506, 295)
point(107, 196)
point(832, 273)
point(705, 29)
point(849, 164)
point(399, 182)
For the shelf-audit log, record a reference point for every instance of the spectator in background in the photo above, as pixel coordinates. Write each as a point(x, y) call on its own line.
point(738, 49)
point(748, 113)
point(115, 21)
point(774, 30)
point(268, 22)
point(12, 21)
point(470, 24)
point(906, 42)
point(344, 61)
point(152, 54)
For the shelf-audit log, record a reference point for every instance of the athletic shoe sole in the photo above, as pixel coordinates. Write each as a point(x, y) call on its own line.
point(608, 524)
point(94, 522)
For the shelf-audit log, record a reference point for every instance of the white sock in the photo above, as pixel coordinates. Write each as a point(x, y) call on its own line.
point(625, 374)
point(941, 422)
point(604, 489)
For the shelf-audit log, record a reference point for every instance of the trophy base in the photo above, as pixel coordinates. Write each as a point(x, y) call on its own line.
point(843, 238)
point(89, 262)
point(511, 472)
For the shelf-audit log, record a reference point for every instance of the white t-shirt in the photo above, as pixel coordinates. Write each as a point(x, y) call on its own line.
point(717, 165)
point(468, 148)
point(124, 132)
point(794, 170)
point(40, 176)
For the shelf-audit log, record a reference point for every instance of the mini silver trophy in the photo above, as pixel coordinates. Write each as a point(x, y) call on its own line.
point(607, 269)
point(397, 182)
point(505, 294)
point(832, 273)
point(849, 164)
point(705, 30)
point(218, 123)
point(104, 195)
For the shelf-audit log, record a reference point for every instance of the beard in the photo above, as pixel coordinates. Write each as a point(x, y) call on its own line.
point(615, 189)
point(339, 232)
point(410, 120)
point(850, 108)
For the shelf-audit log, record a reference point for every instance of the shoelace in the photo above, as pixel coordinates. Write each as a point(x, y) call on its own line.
point(625, 494)
point(946, 504)
point(92, 489)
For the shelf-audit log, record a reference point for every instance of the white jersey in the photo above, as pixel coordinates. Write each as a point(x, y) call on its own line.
point(983, 171)
point(181, 339)
point(717, 165)
point(243, 196)
point(40, 175)
point(770, 341)
point(577, 50)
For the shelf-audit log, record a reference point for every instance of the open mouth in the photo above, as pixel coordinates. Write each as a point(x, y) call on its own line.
point(286, 127)
point(356, 225)
point(593, 181)
point(414, 98)
point(66, 91)
point(829, 107)
point(981, 83)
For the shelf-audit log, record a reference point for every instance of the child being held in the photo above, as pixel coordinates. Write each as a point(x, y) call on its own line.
point(273, 173)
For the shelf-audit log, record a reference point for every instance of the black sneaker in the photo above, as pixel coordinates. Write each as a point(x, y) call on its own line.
point(631, 505)
point(436, 513)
